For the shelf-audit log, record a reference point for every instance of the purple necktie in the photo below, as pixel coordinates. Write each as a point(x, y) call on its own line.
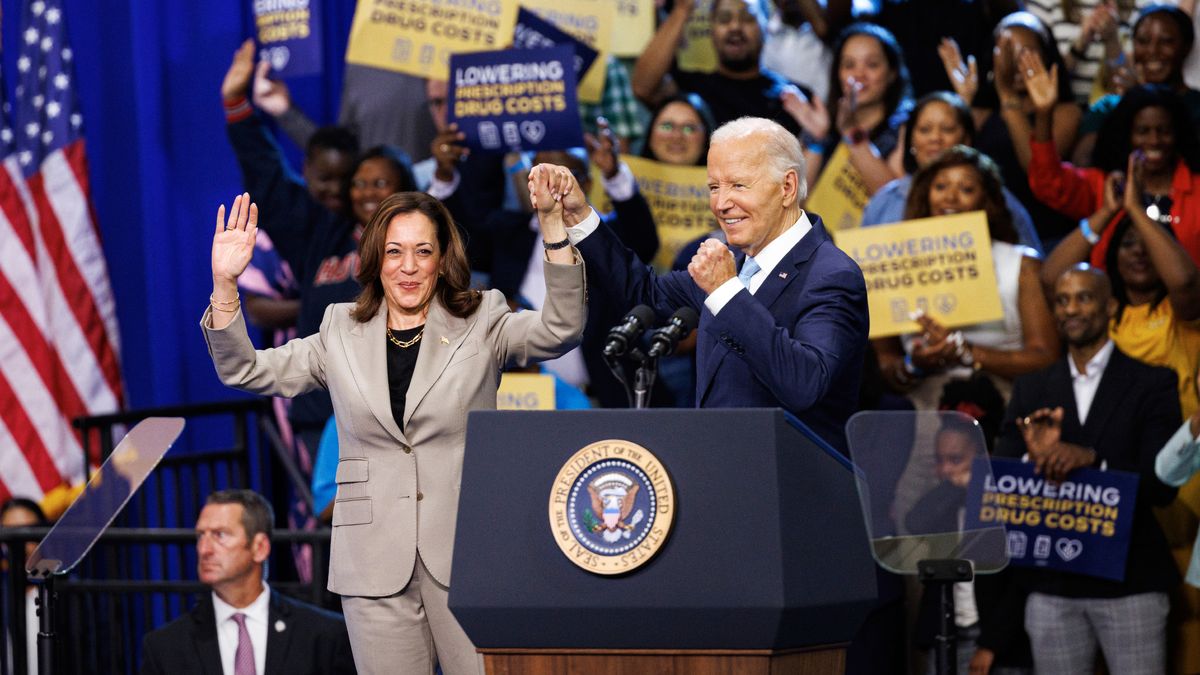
point(243, 659)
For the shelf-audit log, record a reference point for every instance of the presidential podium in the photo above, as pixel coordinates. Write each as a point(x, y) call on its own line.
point(766, 567)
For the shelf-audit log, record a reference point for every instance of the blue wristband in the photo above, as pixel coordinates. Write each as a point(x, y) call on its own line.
point(1085, 229)
point(912, 369)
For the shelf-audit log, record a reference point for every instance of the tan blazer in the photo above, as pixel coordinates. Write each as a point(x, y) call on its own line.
point(398, 491)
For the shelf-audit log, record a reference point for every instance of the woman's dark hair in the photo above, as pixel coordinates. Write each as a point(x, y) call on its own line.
point(897, 100)
point(978, 398)
point(27, 504)
point(1120, 290)
point(1000, 224)
point(453, 285)
point(1187, 33)
point(393, 156)
point(987, 97)
point(962, 112)
point(1113, 143)
point(694, 102)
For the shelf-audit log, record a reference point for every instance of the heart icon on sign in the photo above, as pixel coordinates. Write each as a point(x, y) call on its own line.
point(1068, 549)
point(533, 130)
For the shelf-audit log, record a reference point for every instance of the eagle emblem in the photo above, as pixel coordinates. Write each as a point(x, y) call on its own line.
point(613, 496)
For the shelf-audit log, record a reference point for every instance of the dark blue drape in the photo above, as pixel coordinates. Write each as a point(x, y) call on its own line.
point(149, 75)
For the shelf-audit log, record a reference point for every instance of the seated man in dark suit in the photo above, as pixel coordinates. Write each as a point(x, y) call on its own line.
point(790, 329)
point(243, 627)
point(1095, 407)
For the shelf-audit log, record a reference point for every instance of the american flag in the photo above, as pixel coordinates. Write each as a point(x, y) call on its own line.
point(59, 346)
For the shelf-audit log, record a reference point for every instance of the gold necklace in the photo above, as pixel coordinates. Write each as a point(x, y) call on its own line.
point(405, 344)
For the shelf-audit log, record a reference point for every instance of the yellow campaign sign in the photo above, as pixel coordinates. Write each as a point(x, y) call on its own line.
point(525, 391)
point(696, 53)
point(942, 266)
point(418, 36)
point(678, 198)
point(633, 26)
point(590, 22)
point(840, 194)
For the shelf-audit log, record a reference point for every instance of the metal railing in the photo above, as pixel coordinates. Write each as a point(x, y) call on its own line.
point(133, 581)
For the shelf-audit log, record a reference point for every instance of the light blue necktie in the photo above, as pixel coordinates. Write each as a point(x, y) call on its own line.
point(749, 269)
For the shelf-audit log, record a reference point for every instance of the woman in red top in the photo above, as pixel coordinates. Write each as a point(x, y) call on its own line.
point(1150, 119)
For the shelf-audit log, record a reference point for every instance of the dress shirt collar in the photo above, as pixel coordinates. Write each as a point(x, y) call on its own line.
point(255, 611)
point(773, 252)
point(1095, 366)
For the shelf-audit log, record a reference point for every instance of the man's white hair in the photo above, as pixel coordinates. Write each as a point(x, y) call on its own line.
point(781, 147)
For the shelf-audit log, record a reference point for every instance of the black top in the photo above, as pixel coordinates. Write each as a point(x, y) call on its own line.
point(994, 141)
point(730, 99)
point(401, 361)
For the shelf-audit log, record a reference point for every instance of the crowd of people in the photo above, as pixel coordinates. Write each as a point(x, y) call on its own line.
point(1072, 125)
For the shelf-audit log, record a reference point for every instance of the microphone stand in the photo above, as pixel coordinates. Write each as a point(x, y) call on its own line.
point(643, 379)
point(618, 371)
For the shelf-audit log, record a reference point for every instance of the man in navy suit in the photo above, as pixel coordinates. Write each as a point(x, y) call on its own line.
point(786, 326)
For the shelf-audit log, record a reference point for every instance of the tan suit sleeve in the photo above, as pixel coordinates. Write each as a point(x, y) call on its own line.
point(522, 338)
point(289, 370)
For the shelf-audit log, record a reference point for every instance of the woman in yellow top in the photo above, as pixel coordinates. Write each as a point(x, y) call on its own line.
point(1155, 281)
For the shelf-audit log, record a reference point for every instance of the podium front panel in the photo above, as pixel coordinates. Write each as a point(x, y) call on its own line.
point(767, 549)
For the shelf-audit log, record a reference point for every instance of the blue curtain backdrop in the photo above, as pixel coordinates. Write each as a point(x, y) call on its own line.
point(148, 74)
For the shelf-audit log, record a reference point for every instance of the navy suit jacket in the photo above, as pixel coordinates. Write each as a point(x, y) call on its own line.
point(796, 344)
point(312, 641)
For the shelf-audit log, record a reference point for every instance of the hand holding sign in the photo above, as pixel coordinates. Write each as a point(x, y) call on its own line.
point(271, 96)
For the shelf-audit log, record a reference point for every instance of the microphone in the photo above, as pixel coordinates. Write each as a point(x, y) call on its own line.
point(682, 322)
point(621, 336)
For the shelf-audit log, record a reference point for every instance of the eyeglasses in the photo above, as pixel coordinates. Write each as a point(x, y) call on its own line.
point(685, 129)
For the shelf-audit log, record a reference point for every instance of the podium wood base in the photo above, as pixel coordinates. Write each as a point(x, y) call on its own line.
point(820, 661)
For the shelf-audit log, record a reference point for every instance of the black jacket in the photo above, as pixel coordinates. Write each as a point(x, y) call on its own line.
point(312, 641)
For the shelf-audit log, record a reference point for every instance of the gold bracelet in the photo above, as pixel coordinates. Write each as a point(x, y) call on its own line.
point(224, 303)
point(229, 310)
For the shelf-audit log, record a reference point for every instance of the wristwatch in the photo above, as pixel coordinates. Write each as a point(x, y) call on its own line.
point(555, 245)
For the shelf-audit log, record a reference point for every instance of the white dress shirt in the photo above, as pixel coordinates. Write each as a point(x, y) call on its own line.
point(257, 614)
point(767, 259)
point(1088, 381)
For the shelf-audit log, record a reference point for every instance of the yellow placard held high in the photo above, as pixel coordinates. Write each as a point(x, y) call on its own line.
point(840, 194)
point(590, 22)
point(678, 198)
point(525, 391)
point(632, 27)
point(418, 36)
point(942, 266)
point(696, 53)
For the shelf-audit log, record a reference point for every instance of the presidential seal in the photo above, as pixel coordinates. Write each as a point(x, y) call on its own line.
point(611, 507)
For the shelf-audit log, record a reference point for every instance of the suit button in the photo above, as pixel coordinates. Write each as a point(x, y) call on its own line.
point(407, 450)
point(420, 496)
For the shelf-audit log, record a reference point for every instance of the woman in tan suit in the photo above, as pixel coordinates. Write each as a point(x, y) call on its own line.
point(403, 365)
